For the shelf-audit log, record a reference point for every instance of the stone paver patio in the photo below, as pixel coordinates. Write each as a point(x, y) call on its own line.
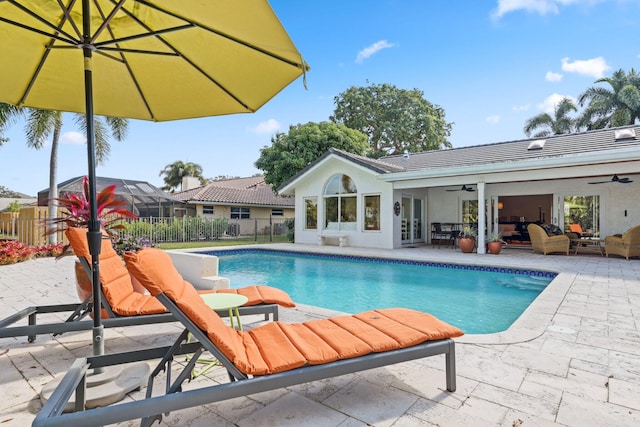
point(572, 359)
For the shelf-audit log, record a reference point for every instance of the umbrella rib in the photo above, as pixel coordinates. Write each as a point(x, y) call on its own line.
point(177, 52)
point(57, 29)
point(66, 10)
point(145, 35)
point(221, 34)
point(70, 41)
point(106, 20)
point(130, 71)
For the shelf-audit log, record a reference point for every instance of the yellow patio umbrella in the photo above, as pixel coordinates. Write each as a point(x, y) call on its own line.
point(143, 59)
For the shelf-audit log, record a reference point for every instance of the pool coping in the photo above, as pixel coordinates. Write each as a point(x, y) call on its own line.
point(532, 323)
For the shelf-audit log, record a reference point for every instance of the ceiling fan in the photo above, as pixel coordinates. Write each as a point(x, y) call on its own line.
point(614, 179)
point(464, 188)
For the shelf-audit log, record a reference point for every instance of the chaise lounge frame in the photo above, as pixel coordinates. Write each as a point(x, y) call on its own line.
point(80, 311)
point(151, 408)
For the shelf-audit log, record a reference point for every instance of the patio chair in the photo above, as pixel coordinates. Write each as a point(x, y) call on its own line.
point(541, 242)
point(440, 234)
point(268, 357)
point(627, 245)
point(122, 306)
point(577, 228)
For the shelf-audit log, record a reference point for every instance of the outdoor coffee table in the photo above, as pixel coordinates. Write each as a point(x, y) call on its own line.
point(220, 302)
point(589, 245)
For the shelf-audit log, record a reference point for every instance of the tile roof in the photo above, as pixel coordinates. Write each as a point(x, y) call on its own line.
point(250, 191)
point(513, 151)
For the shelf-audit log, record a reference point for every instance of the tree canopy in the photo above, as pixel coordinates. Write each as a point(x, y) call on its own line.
point(289, 153)
point(6, 193)
point(394, 119)
point(560, 123)
point(618, 105)
point(174, 172)
point(41, 124)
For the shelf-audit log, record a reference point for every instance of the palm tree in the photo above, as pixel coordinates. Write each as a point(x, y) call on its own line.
point(174, 172)
point(617, 106)
point(8, 115)
point(559, 124)
point(40, 124)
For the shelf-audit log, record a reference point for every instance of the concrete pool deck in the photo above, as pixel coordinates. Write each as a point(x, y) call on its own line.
point(572, 359)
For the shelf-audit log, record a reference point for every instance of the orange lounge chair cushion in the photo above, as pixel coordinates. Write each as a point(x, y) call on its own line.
point(114, 277)
point(278, 347)
point(258, 294)
point(121, 296)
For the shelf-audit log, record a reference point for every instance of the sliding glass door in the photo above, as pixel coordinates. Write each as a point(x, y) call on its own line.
point(582, 215)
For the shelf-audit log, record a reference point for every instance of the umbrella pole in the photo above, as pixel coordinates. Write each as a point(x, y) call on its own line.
point(94, 235)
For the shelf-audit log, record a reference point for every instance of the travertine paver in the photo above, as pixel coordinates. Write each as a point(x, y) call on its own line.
point(573, 358)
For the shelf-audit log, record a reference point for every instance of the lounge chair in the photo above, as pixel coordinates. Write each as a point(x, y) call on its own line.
point(122, 306)
point(627, 245)
point(541, 242)
point(268, 357)
point(577, 228)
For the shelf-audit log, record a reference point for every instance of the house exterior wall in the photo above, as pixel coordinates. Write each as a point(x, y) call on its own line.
point(224, 211)
point(366, 182)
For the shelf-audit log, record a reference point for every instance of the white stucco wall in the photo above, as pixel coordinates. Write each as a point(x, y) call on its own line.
point(367, 184)
point(441, 205)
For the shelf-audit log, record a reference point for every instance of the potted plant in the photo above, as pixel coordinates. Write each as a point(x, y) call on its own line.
point(467, 240)
point(111, 211)
point(494, 243)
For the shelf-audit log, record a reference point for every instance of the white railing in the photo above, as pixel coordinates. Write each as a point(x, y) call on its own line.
point(170, 229)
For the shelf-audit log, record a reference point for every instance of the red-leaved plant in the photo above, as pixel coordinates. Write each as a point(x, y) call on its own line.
point(111, 211)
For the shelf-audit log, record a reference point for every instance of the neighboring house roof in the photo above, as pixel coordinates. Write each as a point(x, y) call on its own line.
point(250, 191)
point(557, 151)
point(247, 182)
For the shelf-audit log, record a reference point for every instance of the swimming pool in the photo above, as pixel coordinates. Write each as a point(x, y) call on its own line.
point(477, 299)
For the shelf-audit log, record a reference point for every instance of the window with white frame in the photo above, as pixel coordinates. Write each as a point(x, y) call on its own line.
point(372, 212)
point(340, 203)
point(207, 209)
point(240, 213)
point(311, 213)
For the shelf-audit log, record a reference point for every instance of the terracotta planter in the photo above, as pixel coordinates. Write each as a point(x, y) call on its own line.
point(466, 244)
point(494, 247)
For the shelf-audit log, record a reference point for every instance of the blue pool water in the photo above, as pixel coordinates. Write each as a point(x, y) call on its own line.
point(477, 299)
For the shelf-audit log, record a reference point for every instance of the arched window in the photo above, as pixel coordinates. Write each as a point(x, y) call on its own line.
point(340, 203)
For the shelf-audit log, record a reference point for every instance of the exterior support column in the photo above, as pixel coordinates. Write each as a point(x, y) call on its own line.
point(482, 219)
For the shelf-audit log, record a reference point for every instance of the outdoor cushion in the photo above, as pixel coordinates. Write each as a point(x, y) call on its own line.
point(124, 301)
point(278, 347)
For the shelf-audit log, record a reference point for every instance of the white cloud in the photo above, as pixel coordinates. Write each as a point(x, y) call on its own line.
point(73, 138)
point(524, 107)
point(367, 52)
point(494, 120)
point(553, 77)
point(541, 7)
point(550, 103)
point(594, 67)
point(269, 127)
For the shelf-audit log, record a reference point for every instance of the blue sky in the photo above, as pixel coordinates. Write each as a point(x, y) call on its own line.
point(491, 64)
